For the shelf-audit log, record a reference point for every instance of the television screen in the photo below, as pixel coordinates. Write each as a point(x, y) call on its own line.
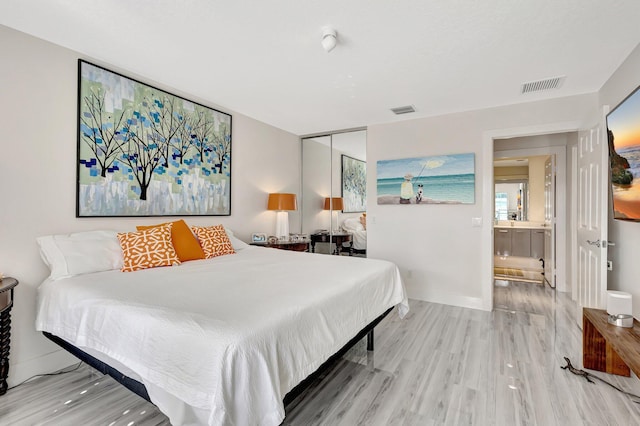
point(623, 131)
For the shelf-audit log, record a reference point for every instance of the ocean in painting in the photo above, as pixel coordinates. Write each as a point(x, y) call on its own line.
point(437, 189)
point(445, 179)
point(626, 198)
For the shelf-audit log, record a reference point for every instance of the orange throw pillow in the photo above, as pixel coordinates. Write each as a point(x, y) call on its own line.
point(185, 243)
point(214, 240)
point(148, 249)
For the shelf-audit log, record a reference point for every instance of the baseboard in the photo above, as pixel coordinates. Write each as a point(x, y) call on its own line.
point(47, 363)
point(447, 299)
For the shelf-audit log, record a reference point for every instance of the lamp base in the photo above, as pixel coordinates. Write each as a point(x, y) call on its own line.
point(282, 225)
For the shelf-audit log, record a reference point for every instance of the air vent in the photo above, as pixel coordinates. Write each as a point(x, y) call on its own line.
point(403, 110)
point(540, 85)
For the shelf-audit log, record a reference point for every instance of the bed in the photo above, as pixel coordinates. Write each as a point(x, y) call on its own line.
point(223, 340)
point(358, 231)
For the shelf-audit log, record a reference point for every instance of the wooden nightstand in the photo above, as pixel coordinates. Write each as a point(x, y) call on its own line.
point(336, 238)
point(7, 285)
point(286, 245)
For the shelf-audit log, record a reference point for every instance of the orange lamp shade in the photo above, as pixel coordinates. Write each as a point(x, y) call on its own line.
point(337, 203)
point(282, 202)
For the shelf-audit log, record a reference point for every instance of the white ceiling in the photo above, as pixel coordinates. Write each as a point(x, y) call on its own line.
point(264, 58)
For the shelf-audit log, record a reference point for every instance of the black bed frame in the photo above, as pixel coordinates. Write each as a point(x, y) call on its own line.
point(139, 389)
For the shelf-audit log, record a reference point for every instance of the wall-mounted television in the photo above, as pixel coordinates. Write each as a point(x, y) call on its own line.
point(623, 131)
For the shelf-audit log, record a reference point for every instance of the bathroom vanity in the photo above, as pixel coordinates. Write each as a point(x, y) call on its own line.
point(524, 240)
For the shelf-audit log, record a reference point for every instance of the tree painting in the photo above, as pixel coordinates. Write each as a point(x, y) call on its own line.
point(354, 185)
point(146, 152)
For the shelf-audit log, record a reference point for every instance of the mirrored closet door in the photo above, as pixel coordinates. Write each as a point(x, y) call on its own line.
point(334, 175)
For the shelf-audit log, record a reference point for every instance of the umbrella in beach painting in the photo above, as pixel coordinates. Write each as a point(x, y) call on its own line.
point(623, 125)
point(443, 179)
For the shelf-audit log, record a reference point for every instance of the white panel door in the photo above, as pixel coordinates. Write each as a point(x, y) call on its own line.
point(592, 220)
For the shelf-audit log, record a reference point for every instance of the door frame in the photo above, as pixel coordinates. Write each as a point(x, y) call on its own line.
point(488, 138)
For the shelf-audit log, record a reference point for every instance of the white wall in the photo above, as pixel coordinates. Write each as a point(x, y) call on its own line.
point(626, 235)
point(38, 106)
point(441, 256)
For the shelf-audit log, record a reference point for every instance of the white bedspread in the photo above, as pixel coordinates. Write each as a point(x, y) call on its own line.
point(229, 336)
point(359, 239)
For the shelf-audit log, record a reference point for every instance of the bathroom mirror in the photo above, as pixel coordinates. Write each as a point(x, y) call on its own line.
point(511, 189)
point(511, 198)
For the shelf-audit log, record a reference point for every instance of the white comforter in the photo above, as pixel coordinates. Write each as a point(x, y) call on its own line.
point(229, 336)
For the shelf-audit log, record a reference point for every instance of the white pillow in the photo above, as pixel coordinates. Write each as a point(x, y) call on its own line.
point(80, 253)
point(352, 224)
point(235, 242)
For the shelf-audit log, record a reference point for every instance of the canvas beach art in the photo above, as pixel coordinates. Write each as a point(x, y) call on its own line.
point(623, 125)
point(442, 179)
point(145, 152)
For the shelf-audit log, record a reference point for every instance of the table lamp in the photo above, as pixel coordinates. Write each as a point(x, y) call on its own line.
point(335, 205)
point(282, 203)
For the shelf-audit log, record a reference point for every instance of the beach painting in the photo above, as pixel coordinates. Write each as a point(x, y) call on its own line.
point(442, 179)
point(623, 125)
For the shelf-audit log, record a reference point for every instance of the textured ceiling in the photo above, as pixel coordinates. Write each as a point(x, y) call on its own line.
point(264, 58)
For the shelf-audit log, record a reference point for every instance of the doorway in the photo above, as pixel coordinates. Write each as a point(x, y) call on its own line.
point(524, 218)
point(552, 139)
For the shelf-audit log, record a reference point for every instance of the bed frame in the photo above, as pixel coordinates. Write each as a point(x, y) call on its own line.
point(139, 389)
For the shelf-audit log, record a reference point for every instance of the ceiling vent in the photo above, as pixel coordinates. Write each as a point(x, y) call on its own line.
point(403, 110)
point(541, 85)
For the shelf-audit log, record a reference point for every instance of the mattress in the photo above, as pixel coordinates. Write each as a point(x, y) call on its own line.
point(221, 341)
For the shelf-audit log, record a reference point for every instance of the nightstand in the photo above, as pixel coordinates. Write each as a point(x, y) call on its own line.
point(286, 245)
point(337, 238)
point(7, 285)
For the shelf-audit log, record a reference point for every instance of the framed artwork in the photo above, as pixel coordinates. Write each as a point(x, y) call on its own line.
point(442, 179)
point(258, 237)
point(623, 135)
point(146, 152)
point(354, 185)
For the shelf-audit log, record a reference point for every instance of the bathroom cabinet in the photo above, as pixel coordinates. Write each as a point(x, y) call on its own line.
point(523, 242)
point(537, 243)
point(502, 242)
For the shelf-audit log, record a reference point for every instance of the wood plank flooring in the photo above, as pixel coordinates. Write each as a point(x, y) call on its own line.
point(441, 365)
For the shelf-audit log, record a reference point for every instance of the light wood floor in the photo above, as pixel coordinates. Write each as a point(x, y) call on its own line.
point(440, 365)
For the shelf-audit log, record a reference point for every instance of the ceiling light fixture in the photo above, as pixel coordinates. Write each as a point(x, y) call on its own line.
point(329, 38)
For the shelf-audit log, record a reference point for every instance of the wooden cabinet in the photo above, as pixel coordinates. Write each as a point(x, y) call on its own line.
point(522, 242)
point(286, 245)
point(6, 302)
point(608, 348)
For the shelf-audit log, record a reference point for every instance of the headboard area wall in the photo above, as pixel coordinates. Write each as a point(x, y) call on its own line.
point(38, 177)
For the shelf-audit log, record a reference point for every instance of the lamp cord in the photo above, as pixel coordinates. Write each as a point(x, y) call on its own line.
point(57, 373)
point(588, 376)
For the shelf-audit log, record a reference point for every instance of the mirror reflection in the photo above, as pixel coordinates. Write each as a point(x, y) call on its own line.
point(511, 200)
point(511, 189)
point(334, 193)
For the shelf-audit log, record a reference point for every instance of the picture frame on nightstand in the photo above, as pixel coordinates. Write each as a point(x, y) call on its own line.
point(259, 237)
